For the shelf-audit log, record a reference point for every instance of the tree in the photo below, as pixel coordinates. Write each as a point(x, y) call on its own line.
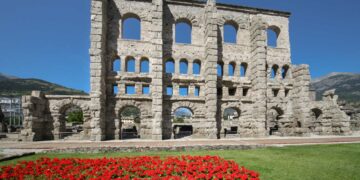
point(75, 117)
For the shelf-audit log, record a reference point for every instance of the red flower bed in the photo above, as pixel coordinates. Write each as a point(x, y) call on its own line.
point(145, 167)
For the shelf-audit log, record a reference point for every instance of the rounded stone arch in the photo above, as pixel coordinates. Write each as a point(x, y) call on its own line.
point(192, 106)
point(236, 105)
point(130, 14)
point(58, 110)
point(145, 111)
point(238, 21)
point(286, 71)
point(183, 16)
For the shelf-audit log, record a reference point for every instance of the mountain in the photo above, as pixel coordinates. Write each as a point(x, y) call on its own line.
point(14, 86)
point(347, 86)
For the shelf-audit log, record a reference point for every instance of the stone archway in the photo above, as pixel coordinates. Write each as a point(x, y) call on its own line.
point(182, 122)
point(60, 112)
point(274, 117)
point(130, 122)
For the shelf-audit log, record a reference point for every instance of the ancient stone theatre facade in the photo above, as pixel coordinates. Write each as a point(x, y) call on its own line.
point(242, 88)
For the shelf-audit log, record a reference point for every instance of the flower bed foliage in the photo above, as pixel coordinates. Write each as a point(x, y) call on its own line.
point(143, 167)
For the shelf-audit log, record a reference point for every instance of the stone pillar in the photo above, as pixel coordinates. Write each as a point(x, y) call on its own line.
point(301, 97)
point(98, 68)
point(209, 128)
point(190, 68)
point(157, 64)
point(259, 77)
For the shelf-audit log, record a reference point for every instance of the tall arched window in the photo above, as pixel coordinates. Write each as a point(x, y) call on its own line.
point(183, 66)
point(284, 71)
point(220, 67)
point(243, 69)
point(183, 31)
point(116, 66)
point(130, 64)
point(144, 65)
point(274, 71)
point(196, 67)
point(170, 66)
point(272, 36)
point(131, 27)
point(231, 69)
point(230, 32)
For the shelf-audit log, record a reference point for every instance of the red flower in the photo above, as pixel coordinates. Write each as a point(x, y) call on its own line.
point(145, 167)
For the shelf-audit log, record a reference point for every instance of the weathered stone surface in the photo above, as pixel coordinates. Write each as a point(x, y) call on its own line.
point(280, 105)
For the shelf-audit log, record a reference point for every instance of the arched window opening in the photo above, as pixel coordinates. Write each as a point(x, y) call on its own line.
point(231, 114)
point(71, 121)
point(181, 116)
point(196, 67)
point(131, 28)
point(230, 32)
point(231, 69)
point(170, 66)
point(130, 65)
point(183, 66)
point(130, 122)
point(272, 36)
point(243, 69)
point(144, 66)
point(284, 71)
point(274, 71)
point(116, 66)
point(274, 117)
point(220, 67)
point(183, 32)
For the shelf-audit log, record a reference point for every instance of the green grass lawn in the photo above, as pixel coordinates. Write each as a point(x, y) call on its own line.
point(297, 162)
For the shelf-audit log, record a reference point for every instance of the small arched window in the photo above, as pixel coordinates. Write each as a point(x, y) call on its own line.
point(220, 67)
point(231, 114)
point(196, 67)
point(230, 32)
point(170, 66)
point(243, 69)
point(272, 36)
point(116, 66)
point(131, 27)
point(183, 31)
point(231, 70)
point(274, 71)
point(284, 71)
point(183, 66)
point(130, 64)
point(144, 65)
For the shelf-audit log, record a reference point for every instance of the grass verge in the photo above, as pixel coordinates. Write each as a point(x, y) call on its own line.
point(341, 161)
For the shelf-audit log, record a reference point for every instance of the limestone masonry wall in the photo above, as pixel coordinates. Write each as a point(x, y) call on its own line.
point(266, 93)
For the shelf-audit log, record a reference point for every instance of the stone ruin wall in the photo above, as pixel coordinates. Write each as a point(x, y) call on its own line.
point(293, 111)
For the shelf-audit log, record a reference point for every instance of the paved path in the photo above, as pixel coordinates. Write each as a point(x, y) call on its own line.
point(272, 141)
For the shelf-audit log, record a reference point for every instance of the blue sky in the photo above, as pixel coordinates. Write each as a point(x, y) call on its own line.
point(50, 39)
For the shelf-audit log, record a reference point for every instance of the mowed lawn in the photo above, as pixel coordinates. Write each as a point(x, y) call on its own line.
point(297, 162)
